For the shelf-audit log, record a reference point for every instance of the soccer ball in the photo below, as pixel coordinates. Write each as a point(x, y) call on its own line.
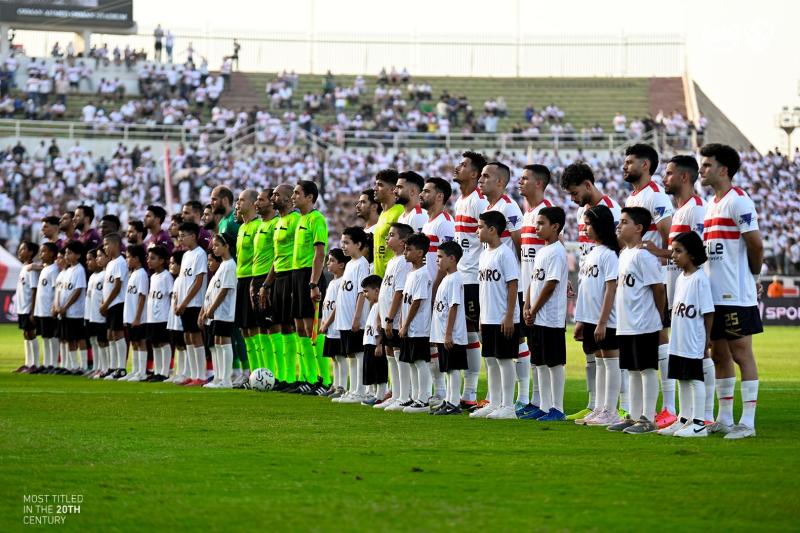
point(262, 379)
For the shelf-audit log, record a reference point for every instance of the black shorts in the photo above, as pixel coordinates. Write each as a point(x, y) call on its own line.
point(375, 368)
point(222, 329)
point(495, 344)
point(454, 359)
point(395, 341)
point(114, 318)
point(352, 341)
point(245, 313)
point(638, 352)
point(157, 333)
point(261, 318)
point(524, 329)
point(25, 323)
point(685, 368)
point(137, 333)
point(472, 306)
point(97, 329)
point(548, 346)
point(189, 320)
point(302, 306)
point(177, 338)
point(282, 299)
point(733, 322)
point(46, 326)
point(591, 346)
point(332, 348)
point(667, 320)
point(74, 329)
point(415, 349)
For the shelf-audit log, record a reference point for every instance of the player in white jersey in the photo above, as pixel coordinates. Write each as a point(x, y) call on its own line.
point(578, 181)
point(532, 184)
point(439, 229)
point(113, 299)
point(495, 177)
point(692, 318)
point(24, 300)
point(641, 162)
point(406, 193)
point(174, 325)
point(134, 311)
point(95, 322)
point(735, 254)
point(468, 208)
point(333, 342)
point(158, 310)
point(43, 304)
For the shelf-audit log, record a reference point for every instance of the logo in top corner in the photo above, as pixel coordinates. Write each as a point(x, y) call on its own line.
point(746, 219)
point(660, 211)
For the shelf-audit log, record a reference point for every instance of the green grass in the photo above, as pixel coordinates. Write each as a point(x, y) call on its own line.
point(156, 457)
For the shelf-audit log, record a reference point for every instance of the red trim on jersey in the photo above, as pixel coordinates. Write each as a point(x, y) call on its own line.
point(532, 240)
point(697, 201)
point(522, 355)
point(466, 229)
point(652, 227)
point(432, 238)
point(650, 184)
point(739, 191)
point(4, 273)
point(680, 228)
point(465, 218)
point(720, 222)
point(506, 233)
point(473, 345)
point(433, 249)
point(418, 210)
point(731, 235)
point(583, 238)
point(544, 201)
point(606, 200)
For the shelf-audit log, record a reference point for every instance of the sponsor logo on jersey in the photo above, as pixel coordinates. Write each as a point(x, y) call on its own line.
point(685, 311)
point(660, 211)
point(489, 274)
point(746, 219)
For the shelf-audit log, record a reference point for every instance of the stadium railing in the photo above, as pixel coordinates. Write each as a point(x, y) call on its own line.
point(82, 130)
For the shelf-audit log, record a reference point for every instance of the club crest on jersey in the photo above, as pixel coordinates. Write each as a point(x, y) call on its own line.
point(746, 219)
point(660, 211)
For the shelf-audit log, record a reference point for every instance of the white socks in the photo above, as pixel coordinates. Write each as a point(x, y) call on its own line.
point(749, 399)
point(495, 395)
point(473, 367)
point(709, 380)
point(613, 378)
point(32, 352)
point(52, 342)
point(599, 384)
point(121, 349)
point(340, 371)
point(545, 387)
point(360, 388)
point(698, 401)
point(557, 386)
point(225, 362)
point(424, 380)
point(453, 387)
point(624, 390)
point(180, 363)
point(686, 398)
point(667, 385)
point(635, 391)
point(200, 357)
point(536, 398)
point(725, 388)
point(351, 370)
point(508, 379)
point(439, 382)
point(404, 375)
point(650, 393)
point(394, 375)
point(523, 371)
point(591, 380)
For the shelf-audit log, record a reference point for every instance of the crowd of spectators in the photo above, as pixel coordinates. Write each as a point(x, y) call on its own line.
point(52, 179)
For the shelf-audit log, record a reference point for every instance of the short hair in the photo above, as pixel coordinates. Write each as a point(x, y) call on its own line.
point(373, 281)
point(76, 247)
point(159, 251)
point(87, 211)
point(338, 254)
point(190, 227)
point(387, 175)
point(504, 170)
point(138, 225)
point(177, 218)
point(309, 188)
point(50, 246)
point(687, 163)
point(158, 211)
point(413, 178)
point(52, 220)
point(575, 174)
point(694, 246)
point(725, 155)
point(177, 256)
point(137, 251)
point(452, 249)
point(370, 194)
point(640, 216)
point(555, 215)
point(494, 219)
point(113, 219)
point(403, 230)
point(541, 172)
point(225, 192)
point(477, 160)
point(195, 206)
point(644, 151)
point(31, 246)
point(92, 253)
point(357, 235)
point(113, 237)
point(420, 241)
point(442, 185)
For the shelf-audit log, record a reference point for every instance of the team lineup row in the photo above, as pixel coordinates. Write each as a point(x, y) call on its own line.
point(407, 311)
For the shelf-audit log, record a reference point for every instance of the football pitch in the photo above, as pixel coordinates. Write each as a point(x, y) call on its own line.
point(141, 456)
